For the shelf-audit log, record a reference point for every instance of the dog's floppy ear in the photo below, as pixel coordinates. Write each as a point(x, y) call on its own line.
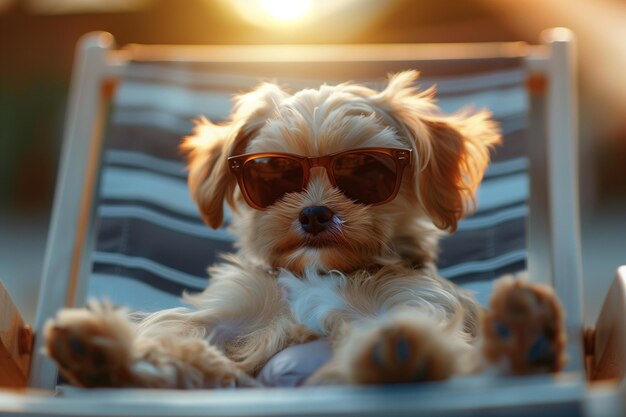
point(210, 181)
point(452, 152)
point(459, 155)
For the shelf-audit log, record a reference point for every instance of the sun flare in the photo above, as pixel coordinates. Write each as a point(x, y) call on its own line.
point(286, 10)
point(341, 19)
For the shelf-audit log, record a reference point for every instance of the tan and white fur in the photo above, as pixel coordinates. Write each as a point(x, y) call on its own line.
point(370, 285)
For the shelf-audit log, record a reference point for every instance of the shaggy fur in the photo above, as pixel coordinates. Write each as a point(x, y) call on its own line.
point(369, 284)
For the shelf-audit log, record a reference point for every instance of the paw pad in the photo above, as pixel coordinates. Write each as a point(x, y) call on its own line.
point(403, 352)
point(523, 329)
point(541, 352)
point(78, 348)
point(403, 349)
point(502, 330)
point(90, 351)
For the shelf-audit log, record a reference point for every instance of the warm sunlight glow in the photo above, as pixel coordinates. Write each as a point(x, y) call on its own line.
point(340, 18)
point(286, 10)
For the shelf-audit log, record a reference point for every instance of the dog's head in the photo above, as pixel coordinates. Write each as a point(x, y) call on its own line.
point(341, 211)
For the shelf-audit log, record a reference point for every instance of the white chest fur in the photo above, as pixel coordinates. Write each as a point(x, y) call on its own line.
point(313, 296)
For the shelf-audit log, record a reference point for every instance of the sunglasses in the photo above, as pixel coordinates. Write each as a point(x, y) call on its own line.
point(367, 176)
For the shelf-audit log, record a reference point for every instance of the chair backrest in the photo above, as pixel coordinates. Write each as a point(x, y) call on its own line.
point(151, 240)
point(136, 236)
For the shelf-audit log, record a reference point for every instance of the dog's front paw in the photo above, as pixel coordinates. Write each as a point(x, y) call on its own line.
point(406, 349)
point(523, 329)
point(92, 346)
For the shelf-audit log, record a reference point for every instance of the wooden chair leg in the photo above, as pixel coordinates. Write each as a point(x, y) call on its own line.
point(16, 344)
point(606, 350)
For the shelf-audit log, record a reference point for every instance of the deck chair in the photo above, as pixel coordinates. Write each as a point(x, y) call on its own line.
point(121, 190)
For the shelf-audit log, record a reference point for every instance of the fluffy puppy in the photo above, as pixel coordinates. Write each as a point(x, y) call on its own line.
point(343, 194)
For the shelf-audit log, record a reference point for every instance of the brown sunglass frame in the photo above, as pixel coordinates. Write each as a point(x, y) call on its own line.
point(401, 157)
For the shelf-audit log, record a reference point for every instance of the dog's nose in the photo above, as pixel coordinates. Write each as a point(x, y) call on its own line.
point(315, 219)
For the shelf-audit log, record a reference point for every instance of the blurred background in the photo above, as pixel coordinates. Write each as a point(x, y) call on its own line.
point(37, 40)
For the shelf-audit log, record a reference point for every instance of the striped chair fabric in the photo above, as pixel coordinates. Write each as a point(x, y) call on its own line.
point(151, 243)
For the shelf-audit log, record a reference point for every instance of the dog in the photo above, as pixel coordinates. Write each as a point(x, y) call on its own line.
point(339, 197)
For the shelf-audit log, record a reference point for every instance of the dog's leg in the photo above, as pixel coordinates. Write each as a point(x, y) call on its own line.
point(101, 347)
point(523, 329)
point(407, 346)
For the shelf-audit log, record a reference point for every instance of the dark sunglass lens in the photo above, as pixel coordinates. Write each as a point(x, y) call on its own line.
point(367, 178)
point(268, 179)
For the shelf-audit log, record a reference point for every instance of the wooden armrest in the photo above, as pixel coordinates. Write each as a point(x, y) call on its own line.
point(606, 347)
point(16, 343)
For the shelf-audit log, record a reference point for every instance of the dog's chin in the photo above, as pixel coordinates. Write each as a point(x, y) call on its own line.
point(321, 241)
point(326, 253)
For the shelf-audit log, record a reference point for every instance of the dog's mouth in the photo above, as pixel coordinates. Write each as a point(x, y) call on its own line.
point(322, 240)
